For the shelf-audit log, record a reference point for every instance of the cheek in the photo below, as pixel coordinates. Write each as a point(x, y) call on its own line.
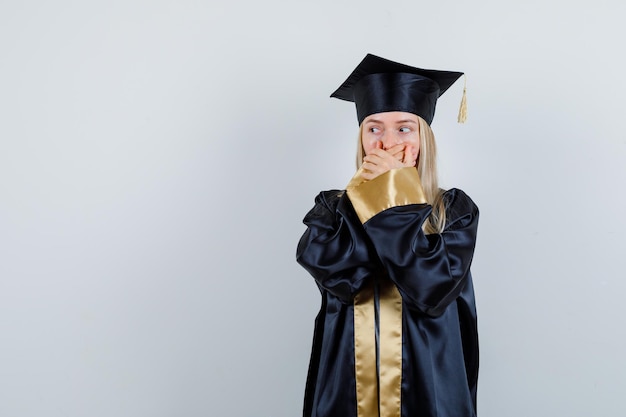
point(415, 143)
point(368, 145)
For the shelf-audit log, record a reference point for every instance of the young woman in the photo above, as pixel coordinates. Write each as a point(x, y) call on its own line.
point(396, 334)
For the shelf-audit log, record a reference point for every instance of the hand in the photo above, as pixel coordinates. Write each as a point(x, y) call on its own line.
point(379, 160)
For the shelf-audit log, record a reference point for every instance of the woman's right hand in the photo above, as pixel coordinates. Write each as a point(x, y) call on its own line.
point(379, 160)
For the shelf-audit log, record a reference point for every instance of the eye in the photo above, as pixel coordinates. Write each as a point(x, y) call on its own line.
point(374, 130)
point(405, 129)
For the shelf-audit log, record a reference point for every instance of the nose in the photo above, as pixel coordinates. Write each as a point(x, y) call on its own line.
point(389, 139)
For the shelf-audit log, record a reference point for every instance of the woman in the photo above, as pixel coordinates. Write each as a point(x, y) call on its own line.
point(396, 333)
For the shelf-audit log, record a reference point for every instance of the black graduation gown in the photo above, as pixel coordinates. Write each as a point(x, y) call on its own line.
point(439, 342)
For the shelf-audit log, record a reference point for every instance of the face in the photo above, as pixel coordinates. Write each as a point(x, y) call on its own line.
point(385, 130)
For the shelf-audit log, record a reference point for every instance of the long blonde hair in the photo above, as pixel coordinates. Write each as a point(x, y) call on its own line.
point(427, 171)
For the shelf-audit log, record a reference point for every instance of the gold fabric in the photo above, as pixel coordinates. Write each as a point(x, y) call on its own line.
point(390, 332)
point(386, 382)
point(379, 391)
point(365, 353)
point(397, 187)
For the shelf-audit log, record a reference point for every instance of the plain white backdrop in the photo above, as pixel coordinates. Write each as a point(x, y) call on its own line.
point(157, 158)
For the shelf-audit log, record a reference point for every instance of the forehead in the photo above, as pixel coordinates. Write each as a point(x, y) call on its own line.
point(391, 117)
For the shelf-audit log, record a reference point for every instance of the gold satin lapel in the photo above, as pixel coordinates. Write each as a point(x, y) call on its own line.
point(397, 187)
point(390, 349)
point(365, 353)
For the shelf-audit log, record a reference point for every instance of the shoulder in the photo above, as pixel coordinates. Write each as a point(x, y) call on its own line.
point(456, 196)
point(329, 198)
point(459, 204)
point(324, 212)
point(326, 202)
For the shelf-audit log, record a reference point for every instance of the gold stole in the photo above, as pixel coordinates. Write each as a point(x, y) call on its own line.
point(378, 391)
point(378, 367)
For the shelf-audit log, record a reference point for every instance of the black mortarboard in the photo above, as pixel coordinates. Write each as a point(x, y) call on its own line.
point(378, 85)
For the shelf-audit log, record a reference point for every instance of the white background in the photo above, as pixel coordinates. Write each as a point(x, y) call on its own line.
point(157, 158)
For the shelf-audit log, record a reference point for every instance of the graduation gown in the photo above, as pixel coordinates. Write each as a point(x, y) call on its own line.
point(396, 334)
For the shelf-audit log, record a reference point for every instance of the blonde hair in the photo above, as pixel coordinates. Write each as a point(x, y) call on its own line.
point(427, 171)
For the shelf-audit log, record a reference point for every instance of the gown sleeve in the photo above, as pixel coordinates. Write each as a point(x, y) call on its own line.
point(430, 271)
point(335, 249)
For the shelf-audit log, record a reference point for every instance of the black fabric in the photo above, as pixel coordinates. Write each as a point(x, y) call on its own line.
point(432, 273)
point(379, 85)
point(410, 93)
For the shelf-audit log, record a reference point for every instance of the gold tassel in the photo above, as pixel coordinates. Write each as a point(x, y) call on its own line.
point(463, 109)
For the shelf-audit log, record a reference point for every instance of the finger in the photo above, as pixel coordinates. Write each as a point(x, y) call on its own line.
point(372, 158)
point(367, 164)
point(396, 148)
point(407, 158)
point(410, 156)
point(372, 165)
point(408, 152)
point(398, 155)
point(398, 151)
point(379, 164)
point(368, 175)
point(370, 171)
point(378, 153)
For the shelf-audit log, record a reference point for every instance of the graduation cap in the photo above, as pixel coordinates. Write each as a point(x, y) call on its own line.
point(379, 85)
